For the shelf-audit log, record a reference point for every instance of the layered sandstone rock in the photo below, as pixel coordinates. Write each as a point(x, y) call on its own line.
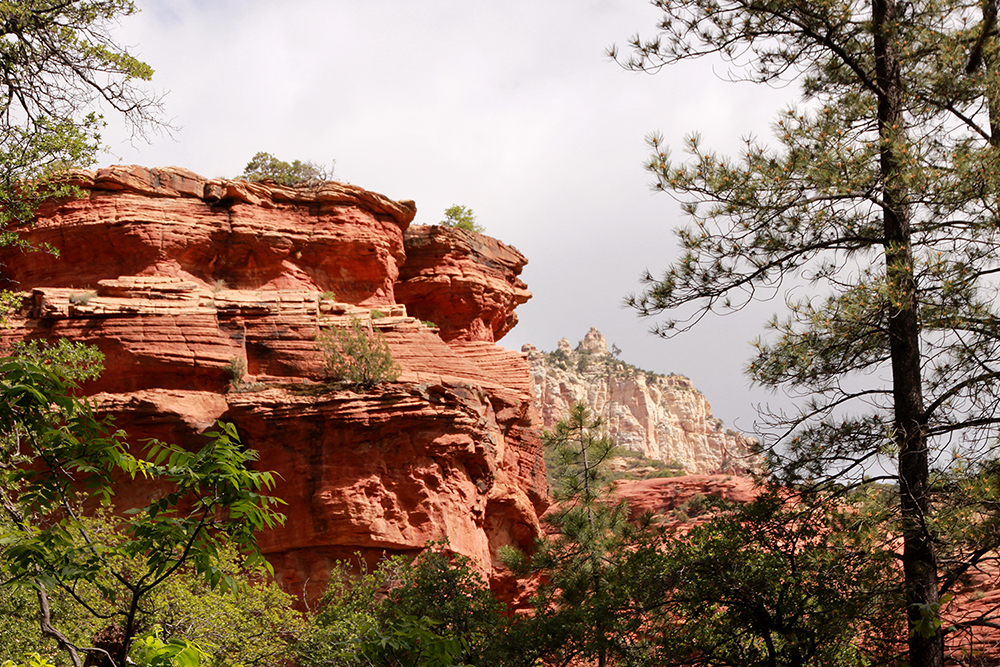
point(183, 282)
point(663, 417)
point(173, 223)
point(466, 283)
point(661, 495)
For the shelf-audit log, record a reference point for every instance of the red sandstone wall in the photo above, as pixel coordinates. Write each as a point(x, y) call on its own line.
point(173, 276)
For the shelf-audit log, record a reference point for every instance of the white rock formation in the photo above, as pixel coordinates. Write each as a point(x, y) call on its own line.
point(662, 416)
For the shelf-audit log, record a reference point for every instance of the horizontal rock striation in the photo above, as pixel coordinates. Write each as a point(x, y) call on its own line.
point(141, 222)
point(206, 297)
point(466, 283)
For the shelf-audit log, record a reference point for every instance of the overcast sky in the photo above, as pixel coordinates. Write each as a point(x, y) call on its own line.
point(511, 108)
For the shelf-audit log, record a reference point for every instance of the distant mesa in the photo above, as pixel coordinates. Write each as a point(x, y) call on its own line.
point(661, 417)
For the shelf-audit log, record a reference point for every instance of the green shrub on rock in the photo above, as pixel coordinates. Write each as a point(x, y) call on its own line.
point(264, 167)
point(461, 217)
point(357, 355)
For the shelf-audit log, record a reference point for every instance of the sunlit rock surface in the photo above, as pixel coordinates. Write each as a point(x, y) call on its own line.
point(181, 280)
point(662, 416)
point(466, 283)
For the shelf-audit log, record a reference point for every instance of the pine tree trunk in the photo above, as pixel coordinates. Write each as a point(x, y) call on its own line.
point(926, 649)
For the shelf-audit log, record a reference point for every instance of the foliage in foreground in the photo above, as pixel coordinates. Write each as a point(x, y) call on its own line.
point(434, 610)
point(56, 455)
point(778, 582)
point(876, 200)
point(357, 354)
point(782, 580)
point(584, 607)
point(252, 624)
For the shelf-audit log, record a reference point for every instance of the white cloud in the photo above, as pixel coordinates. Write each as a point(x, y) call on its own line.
point(510, 108)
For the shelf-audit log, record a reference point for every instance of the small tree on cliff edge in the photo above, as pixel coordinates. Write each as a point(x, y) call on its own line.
point(882, 193)
point(357, 354)
point(461, 217)
point(264, 166)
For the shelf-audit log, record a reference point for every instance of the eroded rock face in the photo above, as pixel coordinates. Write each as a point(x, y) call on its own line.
point(465, 283)
point(390, 470)
point(662, 494)
point(248, 236)
point(181, 281)
point(664, 417)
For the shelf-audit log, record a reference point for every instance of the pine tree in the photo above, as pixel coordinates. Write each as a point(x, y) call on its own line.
point(880, 194)
point(585, 608)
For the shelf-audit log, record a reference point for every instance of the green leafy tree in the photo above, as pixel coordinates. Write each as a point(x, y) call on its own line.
point(151, 651)
point(461, 217)
point(252, 625)
point(406, 641)
point(56, 454)
point(880, 193)
point(58, 67)
point(446, 589)
point(264, 167)
point(345, 618)
point(434, 610)
point(778, 582)
point(357, 354)
point(34, 660)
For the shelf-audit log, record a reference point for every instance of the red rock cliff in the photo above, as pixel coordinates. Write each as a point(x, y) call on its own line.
point(465, 283)
point(176, 277)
